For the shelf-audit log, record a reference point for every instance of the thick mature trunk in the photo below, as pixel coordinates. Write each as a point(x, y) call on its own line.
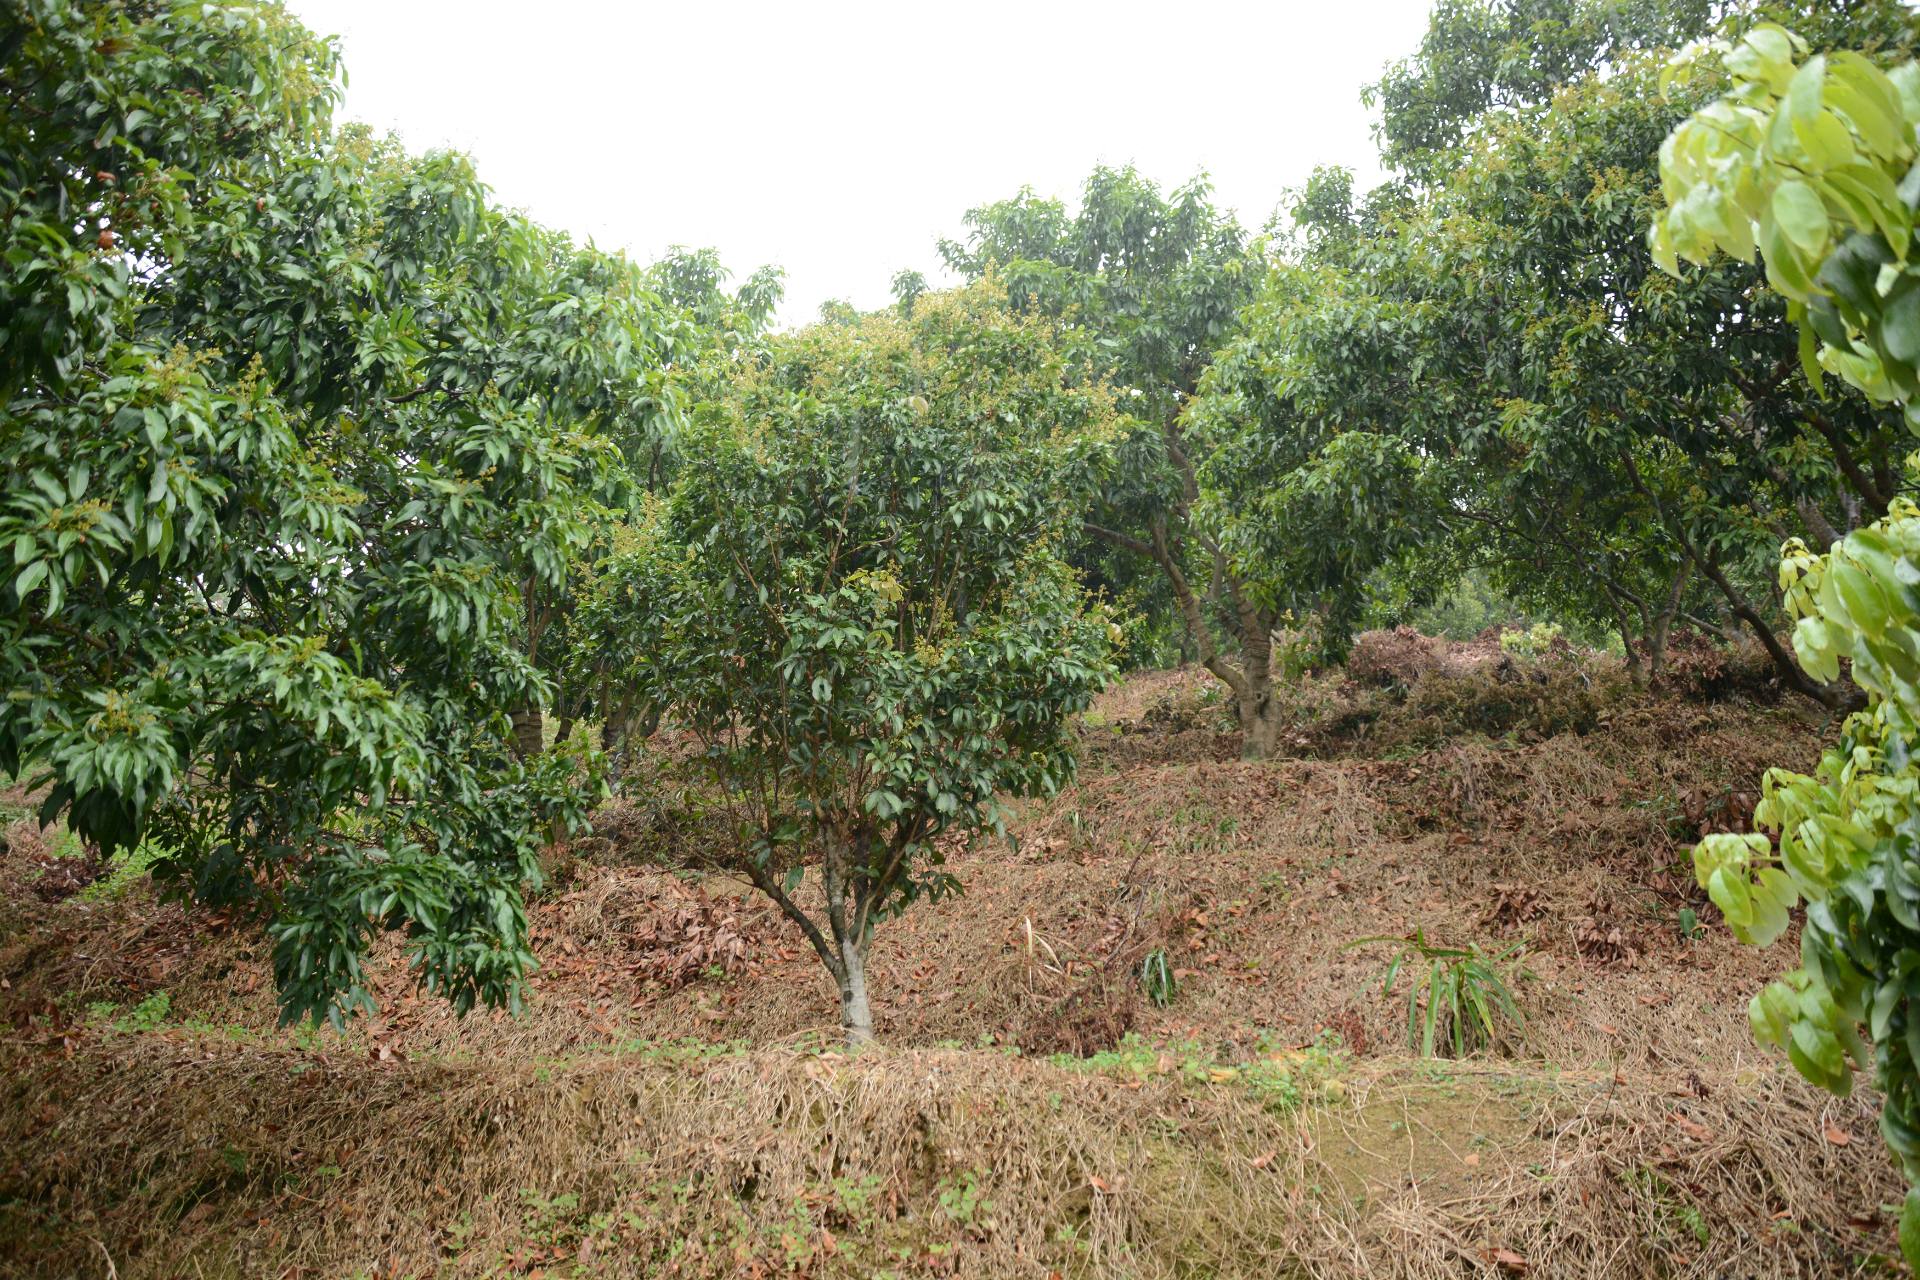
point(1260, 732)
point(856, 1015)
point(1253, 698)
point(529, 732)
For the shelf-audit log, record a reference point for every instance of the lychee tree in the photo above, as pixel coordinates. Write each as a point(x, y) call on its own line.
point(1813, 163)
point(856, 608)
point(299, 432)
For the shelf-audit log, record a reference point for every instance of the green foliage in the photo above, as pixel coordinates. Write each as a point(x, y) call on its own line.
point(123, 870)
point(148, 1015)
point(1536, 641)
point(1458, 609)
point(907, 288)
point(1154, 281)
point(1617, 450)
point(1845, 835)
point(855, 604)
point(1282, 1078)
point(1157, 980)
point(1811, 165)
point(302, 435)
point(1302, 506)
point(1509, 55)
point(960, 1197)
point(1459, 999)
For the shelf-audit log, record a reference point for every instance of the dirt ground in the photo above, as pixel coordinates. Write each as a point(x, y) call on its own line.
point(669, 1102)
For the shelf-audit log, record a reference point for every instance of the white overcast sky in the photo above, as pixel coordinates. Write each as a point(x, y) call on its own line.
point(842, 140)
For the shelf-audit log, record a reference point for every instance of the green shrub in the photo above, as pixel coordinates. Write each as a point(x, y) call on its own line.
point(1536, 641)
point(1458, 998)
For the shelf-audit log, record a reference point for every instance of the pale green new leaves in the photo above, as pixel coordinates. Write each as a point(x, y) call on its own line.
point(1754, 899)
point(1814, 164)
point(1810, 165)
point(1787, 159)
point(1847, 835)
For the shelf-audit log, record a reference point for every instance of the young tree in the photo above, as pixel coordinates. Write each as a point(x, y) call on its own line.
point(856, 605)
point(299, 434)
point(1304, 498)
point(708, 333)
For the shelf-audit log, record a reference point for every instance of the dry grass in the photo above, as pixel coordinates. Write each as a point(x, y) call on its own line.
point(173, 1154)
point(1638, 1116)
point(1252, 876)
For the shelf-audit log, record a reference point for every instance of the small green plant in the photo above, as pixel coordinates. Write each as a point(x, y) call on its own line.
point(1690, 924)
point(1458, 998)
point(123, 870)
point(1157, 980)
point(148, 1015)
point(960, 1198)
point(1536, 641)
point(854, 1202)
point(550, 1220)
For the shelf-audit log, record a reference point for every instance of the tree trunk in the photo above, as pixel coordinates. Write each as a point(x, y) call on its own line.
point(1840, 696)
point(1662, 629)
point(1253, 702)
point(613, 730)
point(856, 1015)
point(613, 737)
point(1260, 732)
point(1657, 646)
point(1636, 665)
point(529, 732)
point(847, 958)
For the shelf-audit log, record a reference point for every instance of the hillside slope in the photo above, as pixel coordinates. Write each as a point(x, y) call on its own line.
point(669, 1102)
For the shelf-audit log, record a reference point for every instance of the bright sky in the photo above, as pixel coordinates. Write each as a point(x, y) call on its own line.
point(842, 140)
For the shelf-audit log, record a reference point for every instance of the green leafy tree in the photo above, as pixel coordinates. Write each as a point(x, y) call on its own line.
point(1616, 447)
point(712, 330)
point(300, 434)
point(856, 606)
point(1810, 162)
point(722, 328)
point(1480, 58)
point(908, 285)
point(1153, 280)
point(1304, 499)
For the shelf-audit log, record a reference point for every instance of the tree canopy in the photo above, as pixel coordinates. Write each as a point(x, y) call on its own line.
point(302, 434)
point(856, 607)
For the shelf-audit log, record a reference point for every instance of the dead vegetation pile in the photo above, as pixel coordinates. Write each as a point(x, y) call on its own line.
point(165, 1154)
point(1334, 716)
point(1251, 879)
point(38, 865)
point(1564, 831)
